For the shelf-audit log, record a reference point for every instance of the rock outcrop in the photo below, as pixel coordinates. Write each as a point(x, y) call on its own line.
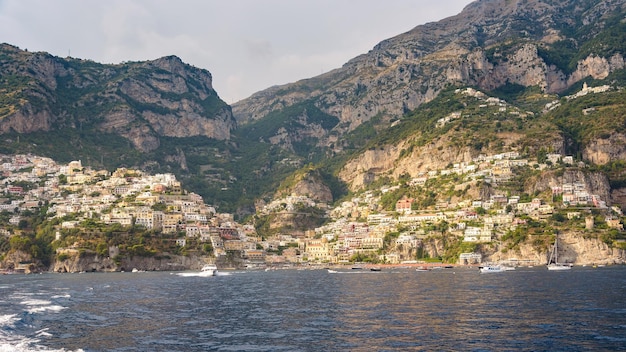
point(91, 262)
point(577, 248)
point(313, 189)
point(601, 151)
point(594, 182)
point(488, 45)
point(141, 101)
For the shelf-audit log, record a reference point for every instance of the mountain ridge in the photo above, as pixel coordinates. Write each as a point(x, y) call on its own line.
point(140, 101)
point(173, 119)
point(506, 120)
point(402, 72)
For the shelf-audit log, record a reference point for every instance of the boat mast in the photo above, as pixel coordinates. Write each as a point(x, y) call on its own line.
point(554, 254)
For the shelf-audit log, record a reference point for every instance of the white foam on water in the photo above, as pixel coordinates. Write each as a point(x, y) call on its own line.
point(12, 342)
point(35, 302)
point(9, 341)
point(41, 309)
point(43, 332)
point(188, 274)
point(61, 296)
point(40, 306)
point(7, 319)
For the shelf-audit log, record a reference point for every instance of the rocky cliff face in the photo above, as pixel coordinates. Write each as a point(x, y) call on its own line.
point(387, 160)
point(394, 160)
point(490, 44)
point(90, 262)
point(574, 247)
point(595, 182)
point(602, 151)
point(140, 101)
point(314, 189)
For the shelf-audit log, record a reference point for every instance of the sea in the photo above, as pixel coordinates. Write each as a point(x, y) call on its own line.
point(395, 309)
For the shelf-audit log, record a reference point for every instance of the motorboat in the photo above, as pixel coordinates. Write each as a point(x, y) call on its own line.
point(209, 270)
point(491, 269)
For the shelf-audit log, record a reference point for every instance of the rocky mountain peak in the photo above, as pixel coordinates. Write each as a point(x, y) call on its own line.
point(491, 43)
point(140, 101)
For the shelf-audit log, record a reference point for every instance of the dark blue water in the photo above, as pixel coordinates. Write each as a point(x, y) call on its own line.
point(583, 309)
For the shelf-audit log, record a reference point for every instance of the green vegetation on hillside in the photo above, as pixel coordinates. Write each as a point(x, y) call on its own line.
point(294, 120)
point(591, 117)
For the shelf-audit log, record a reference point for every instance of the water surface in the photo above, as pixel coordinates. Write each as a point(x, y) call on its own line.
point(529, 309)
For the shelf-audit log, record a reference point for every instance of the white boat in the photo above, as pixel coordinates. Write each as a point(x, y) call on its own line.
point(491, 269)
point(553, 261)
point(209, 270)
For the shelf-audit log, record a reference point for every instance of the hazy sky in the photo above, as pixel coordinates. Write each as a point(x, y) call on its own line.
point(247, 45)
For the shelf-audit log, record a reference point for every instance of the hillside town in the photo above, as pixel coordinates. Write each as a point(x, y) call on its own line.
point(355, 228)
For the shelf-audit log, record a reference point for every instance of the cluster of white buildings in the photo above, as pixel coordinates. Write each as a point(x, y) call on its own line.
point(359, 226)
point(342, 238)
point(288, 204)
point(584, 91)
point(126, 197)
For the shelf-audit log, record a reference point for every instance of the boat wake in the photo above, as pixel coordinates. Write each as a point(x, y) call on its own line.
point(359, 272)
point(20, 332)
point(193, 274)
point(201, 274)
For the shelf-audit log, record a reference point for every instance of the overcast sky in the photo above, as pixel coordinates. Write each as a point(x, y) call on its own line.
point(247, 45)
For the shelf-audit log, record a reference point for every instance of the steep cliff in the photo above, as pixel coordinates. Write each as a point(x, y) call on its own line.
point(90, 262)
point(595, 182)
point(490, 44)
point(574, 247)
point(140, 101)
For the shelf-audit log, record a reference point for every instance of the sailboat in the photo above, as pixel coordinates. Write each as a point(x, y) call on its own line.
point(553, 262)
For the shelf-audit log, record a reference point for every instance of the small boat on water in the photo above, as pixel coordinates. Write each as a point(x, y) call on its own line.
point(559, 266)
point(209, 270)
point(331, 271)
point(422, 268)
point(375, 269)
point(553, 262)
point(491, 269)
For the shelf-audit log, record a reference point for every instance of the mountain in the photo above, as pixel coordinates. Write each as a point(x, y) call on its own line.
point(161, 116)
point(374, 117)
point(488, 132)
point(490, 45)
point(139, 101)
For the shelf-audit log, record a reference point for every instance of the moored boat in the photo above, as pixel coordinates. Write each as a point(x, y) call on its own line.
point(491, 269)
point(553, 262)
